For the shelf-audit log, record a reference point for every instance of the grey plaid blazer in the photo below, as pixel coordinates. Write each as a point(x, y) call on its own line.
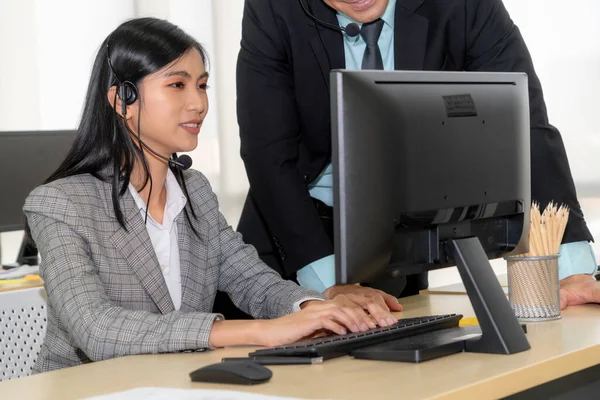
point(106, 293)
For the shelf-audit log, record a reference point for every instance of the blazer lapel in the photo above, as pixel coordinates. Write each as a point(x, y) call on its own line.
point(135, 246)
point(410, 36)
point(327, 44)
point(193, 259)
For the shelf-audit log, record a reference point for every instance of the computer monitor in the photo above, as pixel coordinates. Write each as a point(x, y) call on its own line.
point(431, 169)
point(28, 158)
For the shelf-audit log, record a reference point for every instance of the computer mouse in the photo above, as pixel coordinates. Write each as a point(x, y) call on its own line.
point(236, 373)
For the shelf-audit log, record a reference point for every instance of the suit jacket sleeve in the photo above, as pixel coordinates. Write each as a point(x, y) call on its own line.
point(98, 327)
point(270, 138)
point(253, 287)
point(494, 43)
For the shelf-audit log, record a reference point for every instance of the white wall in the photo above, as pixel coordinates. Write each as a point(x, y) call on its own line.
point(18, 69)
point(228, 36)
point(67, 43)
point(47, 55)
point(564, 41)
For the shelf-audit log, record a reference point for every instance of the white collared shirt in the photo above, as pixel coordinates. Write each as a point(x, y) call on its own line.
point(164, 237)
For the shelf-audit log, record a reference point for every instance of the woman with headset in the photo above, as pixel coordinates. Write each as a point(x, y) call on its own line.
point(132, 242)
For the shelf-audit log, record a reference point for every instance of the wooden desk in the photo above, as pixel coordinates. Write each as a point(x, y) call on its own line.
point(459, 288)
point(559, 348)
point(9, 285)
point(24, 285)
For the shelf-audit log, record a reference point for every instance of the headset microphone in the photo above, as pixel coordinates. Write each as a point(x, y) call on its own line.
point(184, 161)
point(351, 29)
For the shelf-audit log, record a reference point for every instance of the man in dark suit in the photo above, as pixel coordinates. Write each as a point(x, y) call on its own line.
point(284, 116)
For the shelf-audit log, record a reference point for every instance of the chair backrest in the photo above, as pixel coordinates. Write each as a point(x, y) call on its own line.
point(22, 329)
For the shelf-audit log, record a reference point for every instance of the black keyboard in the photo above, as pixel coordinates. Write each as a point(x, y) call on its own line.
point(340, 345)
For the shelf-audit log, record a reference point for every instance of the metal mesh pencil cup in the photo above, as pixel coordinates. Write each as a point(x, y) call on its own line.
point(533, 287)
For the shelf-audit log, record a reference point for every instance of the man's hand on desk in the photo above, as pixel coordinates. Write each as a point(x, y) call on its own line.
point(370, 299)
point(579, 289)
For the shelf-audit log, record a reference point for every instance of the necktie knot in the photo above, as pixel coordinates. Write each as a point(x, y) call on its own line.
point(371, 31)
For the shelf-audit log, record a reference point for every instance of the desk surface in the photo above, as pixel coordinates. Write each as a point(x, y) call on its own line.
point(558, 348)
point(5, 287)
point(459, 288)
point(31, 280)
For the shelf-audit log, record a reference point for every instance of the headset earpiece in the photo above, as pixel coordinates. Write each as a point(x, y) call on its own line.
point(127, 93)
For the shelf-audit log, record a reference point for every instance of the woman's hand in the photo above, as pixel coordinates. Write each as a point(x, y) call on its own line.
point(341, 314)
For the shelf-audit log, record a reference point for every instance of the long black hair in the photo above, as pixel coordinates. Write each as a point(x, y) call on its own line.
point(135, 49)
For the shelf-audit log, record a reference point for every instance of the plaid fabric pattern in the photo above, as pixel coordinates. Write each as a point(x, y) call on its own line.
point(107, 296)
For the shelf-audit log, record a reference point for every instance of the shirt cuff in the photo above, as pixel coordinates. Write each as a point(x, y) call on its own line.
point(318, 275)
point(576, 258)
point(296, 306)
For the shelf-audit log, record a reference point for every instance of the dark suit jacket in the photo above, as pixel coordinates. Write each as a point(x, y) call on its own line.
point(283, 107)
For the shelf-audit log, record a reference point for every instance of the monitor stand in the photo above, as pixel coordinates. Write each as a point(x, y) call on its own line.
point(501, 332)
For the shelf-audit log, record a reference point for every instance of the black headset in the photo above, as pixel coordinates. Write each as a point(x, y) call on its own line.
point(127, 91)
point(352, 29)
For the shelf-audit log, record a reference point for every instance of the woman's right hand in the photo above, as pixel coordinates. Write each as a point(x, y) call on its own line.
point(339, 315)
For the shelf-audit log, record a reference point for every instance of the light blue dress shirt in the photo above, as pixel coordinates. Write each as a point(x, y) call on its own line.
point(575, 258)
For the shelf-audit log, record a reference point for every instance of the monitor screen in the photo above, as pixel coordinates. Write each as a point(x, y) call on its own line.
point(420, 158)
point(28, 159)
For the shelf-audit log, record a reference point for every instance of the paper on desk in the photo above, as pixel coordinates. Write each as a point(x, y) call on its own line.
point(19, 272)
point(185, 394)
